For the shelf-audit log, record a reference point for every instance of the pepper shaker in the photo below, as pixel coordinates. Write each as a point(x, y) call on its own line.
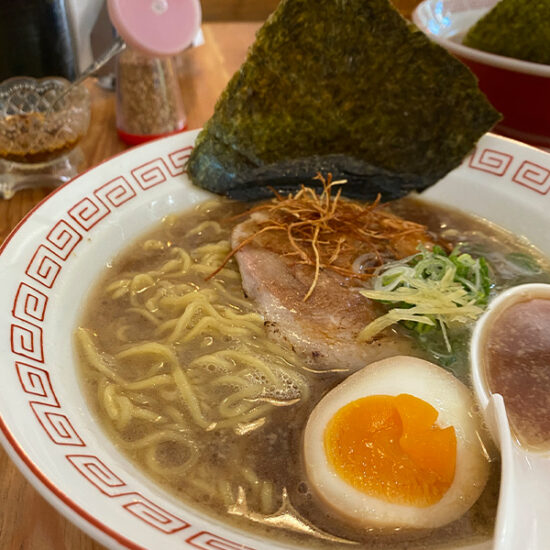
point(149, 102)
point(148, 97)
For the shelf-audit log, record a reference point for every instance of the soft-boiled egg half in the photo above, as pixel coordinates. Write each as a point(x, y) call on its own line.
point(396, 445)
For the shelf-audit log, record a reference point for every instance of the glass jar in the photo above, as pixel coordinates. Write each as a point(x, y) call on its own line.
point(39, 134)
point(149, 103)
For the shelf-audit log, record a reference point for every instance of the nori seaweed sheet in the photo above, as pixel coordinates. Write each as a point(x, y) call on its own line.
point(341, 86)
point(514, 28)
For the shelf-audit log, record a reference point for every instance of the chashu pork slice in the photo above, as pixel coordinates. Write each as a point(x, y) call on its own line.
point(322, 330)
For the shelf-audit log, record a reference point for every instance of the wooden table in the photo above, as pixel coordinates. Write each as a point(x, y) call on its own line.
point(27, 521)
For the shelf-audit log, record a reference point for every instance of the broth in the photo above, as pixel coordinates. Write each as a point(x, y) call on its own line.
point(231, 451)
point(518, 367)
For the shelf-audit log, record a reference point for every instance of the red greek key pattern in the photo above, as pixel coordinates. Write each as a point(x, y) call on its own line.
point(36, 382)
point(208, 541)
point(88, 212)
point(490, 161)
point(151, 173)
point(177, 160)
point(534, 177)
point(30, 304)
point(106, 481)
point(98, 474)
point(29, 311)
point(44, 267)
point(115, 192)
point(26, 340)
point(63, 238)
point(56, 425)
point(154, 515)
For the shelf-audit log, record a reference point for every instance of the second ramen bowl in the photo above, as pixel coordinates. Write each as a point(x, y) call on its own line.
point(518, 89)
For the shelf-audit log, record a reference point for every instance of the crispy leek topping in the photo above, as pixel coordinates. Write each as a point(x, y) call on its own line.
point(326, 231)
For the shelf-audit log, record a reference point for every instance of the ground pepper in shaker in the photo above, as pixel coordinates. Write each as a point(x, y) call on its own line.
point(148, 101)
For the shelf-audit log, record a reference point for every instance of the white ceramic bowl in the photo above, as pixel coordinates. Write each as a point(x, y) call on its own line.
point(55, 255)
point(518, 89)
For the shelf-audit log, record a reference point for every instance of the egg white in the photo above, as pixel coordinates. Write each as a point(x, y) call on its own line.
point(453, 401)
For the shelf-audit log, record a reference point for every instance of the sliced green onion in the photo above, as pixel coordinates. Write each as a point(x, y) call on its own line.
point(430, 289)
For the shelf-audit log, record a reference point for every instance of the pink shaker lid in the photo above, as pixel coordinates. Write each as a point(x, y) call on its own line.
point(156, 27)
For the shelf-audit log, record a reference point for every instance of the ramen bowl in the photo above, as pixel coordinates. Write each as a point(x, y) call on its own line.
point(518, 89)
point(57, 253)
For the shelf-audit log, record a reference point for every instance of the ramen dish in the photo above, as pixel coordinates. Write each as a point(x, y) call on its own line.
point(299, 368)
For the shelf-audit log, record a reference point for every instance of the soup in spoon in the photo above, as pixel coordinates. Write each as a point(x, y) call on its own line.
point(517, 365)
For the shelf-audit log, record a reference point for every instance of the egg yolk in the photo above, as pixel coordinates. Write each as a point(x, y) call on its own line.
point(390, 448)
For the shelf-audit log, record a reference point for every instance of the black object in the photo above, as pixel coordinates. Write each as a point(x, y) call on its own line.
point(36, 39)
point(364, 181)
point(346, 87)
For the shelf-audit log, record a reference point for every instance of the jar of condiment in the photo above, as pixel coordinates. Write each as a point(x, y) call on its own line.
point(149, 102)
point(39, 133)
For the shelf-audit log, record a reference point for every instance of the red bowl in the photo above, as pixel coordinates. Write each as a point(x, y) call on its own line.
point(520, 90)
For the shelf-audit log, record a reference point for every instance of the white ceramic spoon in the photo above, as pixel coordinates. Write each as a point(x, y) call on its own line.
point(523, 516)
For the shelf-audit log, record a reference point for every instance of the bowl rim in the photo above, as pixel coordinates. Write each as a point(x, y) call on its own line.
point(486, 58)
